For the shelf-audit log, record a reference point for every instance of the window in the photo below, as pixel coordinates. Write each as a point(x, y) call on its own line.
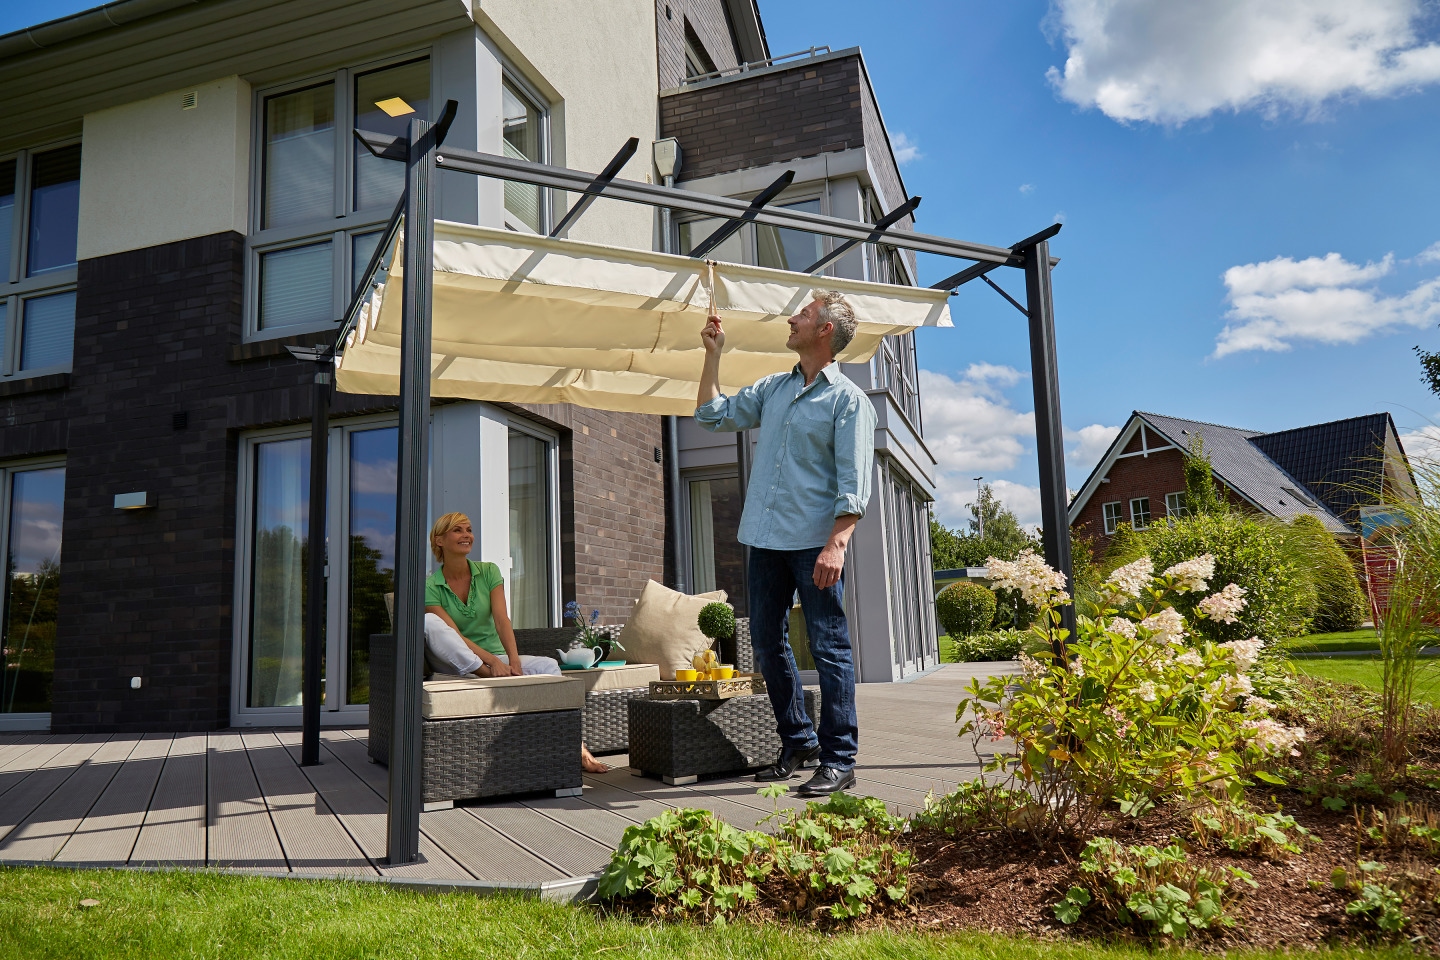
point(1140, 513)
point(524, 139)
point(717, 560)
point(1175, 505)
point(32, 507)
point(39, 224)
point(321, 196)
point(697, 61)
point(761, 245)
point(531, 551)
point(1112, 516)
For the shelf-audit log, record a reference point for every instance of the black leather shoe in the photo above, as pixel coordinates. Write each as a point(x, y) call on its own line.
point(787, 763)
point(827, 780)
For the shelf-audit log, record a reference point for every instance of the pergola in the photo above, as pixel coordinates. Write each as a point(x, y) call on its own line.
point(420, 151)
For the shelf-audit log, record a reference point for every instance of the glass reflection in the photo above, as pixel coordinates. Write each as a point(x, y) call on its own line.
point(385, 102)
point(300, 156)
point(522, 142)
point(789, 249)
point(374, 455)
point(277, 602)
point(716, 556)
point(529, 531)
point(32, 590)
point(54, 210)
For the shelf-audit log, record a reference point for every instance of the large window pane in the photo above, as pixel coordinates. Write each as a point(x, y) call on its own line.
point(300, 156)
point(362, 248)
point(789, 249)
point(296, 287)
point(695, 232)
point(47, 338)
point(373, 458)
point(32, 590)
point(277, 599)
point(522, 142)
point(4, 331)
point(7, 214)
point(529, 530)
point(385, 102)
point(54, 210)
point(716, 557)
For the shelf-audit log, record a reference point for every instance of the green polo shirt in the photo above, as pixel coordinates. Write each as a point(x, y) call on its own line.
point(473, 619)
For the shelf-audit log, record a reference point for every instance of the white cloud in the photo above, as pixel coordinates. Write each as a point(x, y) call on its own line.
point(1059, 217)
point(1320, 299)
point(1027, 188)
point(1090, 444)
point(905, 149)
point(1167, 62)
point(1422, 444)
point(1430, 254)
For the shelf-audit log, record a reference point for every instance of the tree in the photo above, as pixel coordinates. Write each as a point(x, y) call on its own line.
point(1201, 497)
point(1339, 602)
point(1430, 368)
point(1004, 539)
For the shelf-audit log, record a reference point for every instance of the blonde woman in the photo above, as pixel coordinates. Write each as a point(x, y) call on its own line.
point(467, 625)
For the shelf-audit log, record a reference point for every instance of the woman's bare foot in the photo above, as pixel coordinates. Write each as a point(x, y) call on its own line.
point(589, 764)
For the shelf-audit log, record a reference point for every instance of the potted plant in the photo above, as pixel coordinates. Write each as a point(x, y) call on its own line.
point(717, 622)
point(591, 635)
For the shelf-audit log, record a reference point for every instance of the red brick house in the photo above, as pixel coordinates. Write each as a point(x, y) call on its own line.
point(1328, 470)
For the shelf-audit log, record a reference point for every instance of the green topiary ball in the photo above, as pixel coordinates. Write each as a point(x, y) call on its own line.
point(717, 621)
point(965, 608)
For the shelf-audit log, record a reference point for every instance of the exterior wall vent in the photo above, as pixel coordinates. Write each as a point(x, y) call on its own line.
point(190, 101)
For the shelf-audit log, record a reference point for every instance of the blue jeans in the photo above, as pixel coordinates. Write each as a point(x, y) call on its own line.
point(775, 575)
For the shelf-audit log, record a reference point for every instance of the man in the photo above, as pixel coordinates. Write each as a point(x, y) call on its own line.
point(809, 485)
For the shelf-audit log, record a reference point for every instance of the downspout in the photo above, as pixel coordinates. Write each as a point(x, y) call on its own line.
point(670, 439)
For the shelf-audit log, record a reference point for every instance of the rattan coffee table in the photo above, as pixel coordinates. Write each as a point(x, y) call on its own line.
point(683, 740)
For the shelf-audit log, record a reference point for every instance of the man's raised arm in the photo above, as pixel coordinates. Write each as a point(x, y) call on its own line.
point(713, 337)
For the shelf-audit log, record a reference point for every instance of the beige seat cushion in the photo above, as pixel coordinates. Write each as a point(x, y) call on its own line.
point(662, 628)
point(615, 678)
point(456, 697)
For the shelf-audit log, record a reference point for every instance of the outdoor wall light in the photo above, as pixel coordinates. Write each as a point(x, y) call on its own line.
point(134, 501)
point(395, 107)
point(667, 156)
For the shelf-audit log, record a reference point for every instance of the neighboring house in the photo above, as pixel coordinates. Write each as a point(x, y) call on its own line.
point(181, 198)
point(1329, 470)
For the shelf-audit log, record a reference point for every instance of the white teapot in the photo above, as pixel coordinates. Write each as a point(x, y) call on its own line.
point(580, 656)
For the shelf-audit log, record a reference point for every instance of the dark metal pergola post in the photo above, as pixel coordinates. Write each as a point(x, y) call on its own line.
point(315, 574)
point(1049, 429)
point(402, 840)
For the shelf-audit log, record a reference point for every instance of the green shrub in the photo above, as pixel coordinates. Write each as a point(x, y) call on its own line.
point(1339, 602)
point(1154, 890)
point(976, 806)
point(1243, 830)
point(965, 608)
point(717, 620)
point(1250, 552)
point(991, 645)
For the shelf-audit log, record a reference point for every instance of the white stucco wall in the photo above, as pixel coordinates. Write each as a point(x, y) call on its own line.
point(154, 173)
point(596, 63)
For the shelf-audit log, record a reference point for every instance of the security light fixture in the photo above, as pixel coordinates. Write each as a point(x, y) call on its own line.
point(139, 500)
point(394, 107)
point(667, 156)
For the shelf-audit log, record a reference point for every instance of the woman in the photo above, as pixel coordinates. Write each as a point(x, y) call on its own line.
point(465, 599)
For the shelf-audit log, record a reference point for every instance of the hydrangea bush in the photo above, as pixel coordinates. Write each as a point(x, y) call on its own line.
point(1137, 708)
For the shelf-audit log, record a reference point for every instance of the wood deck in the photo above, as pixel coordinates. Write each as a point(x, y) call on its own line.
point(239, 800)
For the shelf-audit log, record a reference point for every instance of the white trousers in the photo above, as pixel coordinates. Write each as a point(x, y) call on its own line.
point(450, 654)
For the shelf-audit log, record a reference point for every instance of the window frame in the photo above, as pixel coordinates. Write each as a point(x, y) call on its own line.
point(344, 224)
point(542, 106)
point(749, 244)
point(1135, 523)
point(686, 541)
point(1110, 522)
point(20, 289)
point(1178, 509)
point(10, 722)
point(552, 471)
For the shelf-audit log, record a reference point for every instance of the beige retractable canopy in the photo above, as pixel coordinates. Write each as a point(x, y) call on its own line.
point(530, 319)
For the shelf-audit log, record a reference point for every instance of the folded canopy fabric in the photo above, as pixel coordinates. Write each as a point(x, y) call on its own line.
point(529, 319)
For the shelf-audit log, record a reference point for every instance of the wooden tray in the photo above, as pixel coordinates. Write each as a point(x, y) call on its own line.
point(740, 685)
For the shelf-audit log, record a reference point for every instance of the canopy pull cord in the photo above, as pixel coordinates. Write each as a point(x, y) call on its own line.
point(710, 285)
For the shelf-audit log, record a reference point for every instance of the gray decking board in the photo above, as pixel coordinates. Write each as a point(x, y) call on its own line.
point(29, 794)
point(52, 823)
point(478, 848)
point(15, 745)
point(23, 764)
point(174, 828)
point(570, 852)
point(312, 837)
point(108, 833)
point(241, 833)
point(581, 815)
point(622, 803)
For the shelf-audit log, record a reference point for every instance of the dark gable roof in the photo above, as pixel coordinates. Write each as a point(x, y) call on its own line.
point(1341, 462)
point(1246, 469)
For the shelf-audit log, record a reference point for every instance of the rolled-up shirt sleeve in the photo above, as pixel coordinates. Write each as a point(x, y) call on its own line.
point(854, 455)
point(729, 414)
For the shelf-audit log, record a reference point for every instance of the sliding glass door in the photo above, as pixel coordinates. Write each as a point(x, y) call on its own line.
point(373, 455)
point(717, 560)
point(33, 498)
point(531, 551)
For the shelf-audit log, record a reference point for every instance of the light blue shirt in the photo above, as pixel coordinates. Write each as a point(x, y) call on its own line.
point(813, 461)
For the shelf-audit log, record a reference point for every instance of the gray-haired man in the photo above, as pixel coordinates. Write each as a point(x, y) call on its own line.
point(808, 487)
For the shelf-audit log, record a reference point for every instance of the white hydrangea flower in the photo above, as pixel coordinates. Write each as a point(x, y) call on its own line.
point(1193, 574)
point(1134, 577)
point(1030, 667)
point(1224, 606)
point(1243, 652)
point(1274, 738)
point(1258, 705)
point(1167, 626)
point(1190, 659)
point(1028, 573)
point(1146, 691)
point(1228, 688)
point(1122, 626)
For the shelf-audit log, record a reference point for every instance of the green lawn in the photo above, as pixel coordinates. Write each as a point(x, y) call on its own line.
point(170, 915)
point(1363, 639)
point(947, 649)
point(1365, 672)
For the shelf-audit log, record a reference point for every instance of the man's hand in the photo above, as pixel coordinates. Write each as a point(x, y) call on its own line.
point(713, 336)
point(831, 562)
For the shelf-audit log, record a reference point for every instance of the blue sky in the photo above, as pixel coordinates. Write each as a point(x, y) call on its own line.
point(1291, 143)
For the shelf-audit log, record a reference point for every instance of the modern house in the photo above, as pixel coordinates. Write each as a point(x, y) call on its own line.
point(1331, 471)
point(181, 199)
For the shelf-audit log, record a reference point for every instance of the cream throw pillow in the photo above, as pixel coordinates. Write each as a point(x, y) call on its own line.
point(662, 628)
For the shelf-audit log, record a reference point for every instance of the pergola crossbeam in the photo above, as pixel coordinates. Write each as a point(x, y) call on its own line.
point(612, 169)
point(881, 225)
point(728, 228)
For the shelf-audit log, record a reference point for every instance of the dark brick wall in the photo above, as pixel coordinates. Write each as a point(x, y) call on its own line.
point(768, 118)
point(149, 592)
point(708, 20)
point(612, 497)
